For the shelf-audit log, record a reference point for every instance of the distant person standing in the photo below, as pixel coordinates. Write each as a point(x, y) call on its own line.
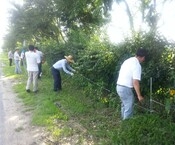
point(32, 61)
point(17, 61)
point(41, 55)
point(129, 77)
point(10, 57)
point(22, 58)
point(63, 64)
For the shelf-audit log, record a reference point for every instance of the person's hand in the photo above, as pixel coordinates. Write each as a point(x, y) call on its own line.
point(72, 74)
point(140, 98)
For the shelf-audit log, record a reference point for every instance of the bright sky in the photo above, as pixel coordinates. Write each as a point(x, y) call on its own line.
point(3, 18)
point(167, 22)
point(4, 7)
point(120, 25)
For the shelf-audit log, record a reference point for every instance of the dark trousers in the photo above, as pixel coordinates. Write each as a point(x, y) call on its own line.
point(40, 70)
point(10, 61)
point(22, 63)
point(57, 79)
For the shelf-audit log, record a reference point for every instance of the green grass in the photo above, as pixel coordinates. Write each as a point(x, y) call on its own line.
point(75, 106)
point(78, 112)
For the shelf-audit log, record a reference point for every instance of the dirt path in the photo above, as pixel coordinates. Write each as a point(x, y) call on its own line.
point(15, 122)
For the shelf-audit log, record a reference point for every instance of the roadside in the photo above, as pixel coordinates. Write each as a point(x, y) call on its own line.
point(15, 121)
point(16, 118)
point(70, 117)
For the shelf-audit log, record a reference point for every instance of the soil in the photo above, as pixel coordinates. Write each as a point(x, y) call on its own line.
point(15, 121)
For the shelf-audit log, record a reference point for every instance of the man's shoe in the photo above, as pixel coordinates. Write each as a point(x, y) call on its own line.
point(58, 104)
point(28, 91)
point(55, 90)
point(35, 91)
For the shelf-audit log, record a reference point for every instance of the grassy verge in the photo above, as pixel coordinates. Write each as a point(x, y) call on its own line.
point(67, 113)
point(74, 118)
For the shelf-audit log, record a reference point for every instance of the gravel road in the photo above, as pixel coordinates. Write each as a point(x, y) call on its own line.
point(15, 122)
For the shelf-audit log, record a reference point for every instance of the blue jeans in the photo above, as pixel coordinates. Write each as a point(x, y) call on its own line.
point(17, 67)
point(127, 101)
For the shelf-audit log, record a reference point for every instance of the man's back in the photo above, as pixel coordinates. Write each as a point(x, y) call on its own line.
point(10, 55)
point(32, 60)
point(129, 70)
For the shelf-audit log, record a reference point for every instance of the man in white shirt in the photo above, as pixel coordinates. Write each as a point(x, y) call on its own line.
point(129, 77)
point(32, 60)
point(17, 61)
point(63, 64)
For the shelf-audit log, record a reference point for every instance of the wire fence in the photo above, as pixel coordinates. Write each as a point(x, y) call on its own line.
point(150, 105)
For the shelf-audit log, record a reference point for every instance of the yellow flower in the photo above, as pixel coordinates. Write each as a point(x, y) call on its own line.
point(172, 92)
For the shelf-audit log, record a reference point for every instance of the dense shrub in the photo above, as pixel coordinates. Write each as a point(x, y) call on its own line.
point(159, 65)
point(98, 63)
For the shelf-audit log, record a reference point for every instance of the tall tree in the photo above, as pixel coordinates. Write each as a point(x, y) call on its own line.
point(54, 19)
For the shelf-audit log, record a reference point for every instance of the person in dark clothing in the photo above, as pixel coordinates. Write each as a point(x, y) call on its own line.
point(10, 57)
point(63, 64)
point(40, 54)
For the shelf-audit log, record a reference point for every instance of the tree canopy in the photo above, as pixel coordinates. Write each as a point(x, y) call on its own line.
point(39, 20)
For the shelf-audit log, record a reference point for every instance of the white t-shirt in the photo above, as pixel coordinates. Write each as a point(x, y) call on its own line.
point(16, 56)
point(22, 55)
point(10, 55)
point(130, 69)
point(32, 60)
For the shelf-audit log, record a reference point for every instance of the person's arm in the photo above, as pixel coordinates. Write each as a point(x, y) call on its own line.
point(64, 66)
point(136, 85)
point(70, 68)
